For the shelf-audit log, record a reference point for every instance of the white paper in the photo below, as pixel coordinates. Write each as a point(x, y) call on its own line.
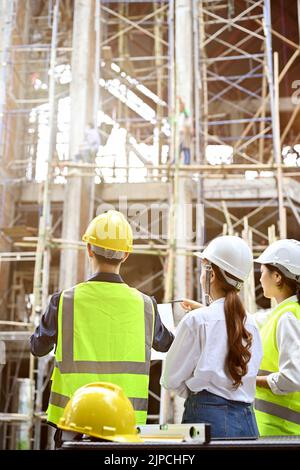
point(166, 314)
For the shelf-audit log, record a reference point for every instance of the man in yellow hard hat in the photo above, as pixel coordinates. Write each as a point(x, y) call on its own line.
point(102, 329)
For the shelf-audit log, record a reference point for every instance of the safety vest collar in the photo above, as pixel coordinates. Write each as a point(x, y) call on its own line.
point(281, 308)
point(291, 299)
point(106, 277)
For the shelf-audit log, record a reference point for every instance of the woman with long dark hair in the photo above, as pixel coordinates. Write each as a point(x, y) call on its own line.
point(277, 403)
point(215, 357)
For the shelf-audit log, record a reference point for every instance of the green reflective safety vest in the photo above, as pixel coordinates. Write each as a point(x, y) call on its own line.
point(105, 333)
point(276, 414)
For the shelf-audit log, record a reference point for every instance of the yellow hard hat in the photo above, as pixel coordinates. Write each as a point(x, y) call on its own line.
point(101, 409)
point(110, 231)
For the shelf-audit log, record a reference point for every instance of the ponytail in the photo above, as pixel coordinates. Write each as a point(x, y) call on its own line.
point(239, 339)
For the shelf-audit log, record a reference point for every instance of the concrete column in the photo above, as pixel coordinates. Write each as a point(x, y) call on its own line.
point(7, 195)
point(184, 50)
point(6, 12)
point(77, 191)
point(184, 91)
point(183, 223)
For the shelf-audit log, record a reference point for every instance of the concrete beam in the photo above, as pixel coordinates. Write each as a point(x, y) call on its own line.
point(285, 105)
point(30, 193)
point(237, 189)
point(136, 191)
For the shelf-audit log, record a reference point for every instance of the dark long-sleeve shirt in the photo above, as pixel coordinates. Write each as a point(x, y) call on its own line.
point(45, 336)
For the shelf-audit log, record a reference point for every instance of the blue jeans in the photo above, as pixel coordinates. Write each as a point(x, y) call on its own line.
point(227, 418)
point(186, 155)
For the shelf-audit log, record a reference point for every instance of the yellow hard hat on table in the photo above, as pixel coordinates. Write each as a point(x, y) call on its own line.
point(102, 410)
point(109, 231)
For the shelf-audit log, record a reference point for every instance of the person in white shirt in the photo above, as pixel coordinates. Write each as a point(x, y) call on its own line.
point(90, 145)
point(214, 359)
point(277, 403)
point(92, 138)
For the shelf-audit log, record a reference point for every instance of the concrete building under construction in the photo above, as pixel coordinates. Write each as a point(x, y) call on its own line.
point(182, 114)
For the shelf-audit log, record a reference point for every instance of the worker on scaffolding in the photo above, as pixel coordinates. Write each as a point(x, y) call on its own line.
point(102, 328)
point(90, 146)
point(185, 133)
point(277, 402)
point(215, 357)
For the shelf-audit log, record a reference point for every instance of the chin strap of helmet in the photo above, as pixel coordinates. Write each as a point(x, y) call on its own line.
point(208, 271)
point(236, 284)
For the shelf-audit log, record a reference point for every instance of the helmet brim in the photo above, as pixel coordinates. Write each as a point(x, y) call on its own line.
point(86, 239)
point(262, 260)
point(113, 438)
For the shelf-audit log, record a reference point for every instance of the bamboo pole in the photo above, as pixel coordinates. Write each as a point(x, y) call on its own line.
point(183, 168)
point(158, 53)
point(249, 285)
point(262, 123)
point(42, 263)
point(272, 238)
point(228, 218)
point(277, 151)
point(290, 123)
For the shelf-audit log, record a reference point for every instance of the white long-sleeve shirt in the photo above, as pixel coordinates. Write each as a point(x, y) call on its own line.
point(287, 379)
point(197, 358)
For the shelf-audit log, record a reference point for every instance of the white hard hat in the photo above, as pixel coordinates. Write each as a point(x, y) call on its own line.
point(231, 254)
point(284, 254)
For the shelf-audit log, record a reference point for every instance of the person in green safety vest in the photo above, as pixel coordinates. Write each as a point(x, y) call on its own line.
point(102, 329)
point(277, 402)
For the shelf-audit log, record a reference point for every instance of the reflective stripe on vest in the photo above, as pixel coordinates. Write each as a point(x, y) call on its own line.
point(263, 372)
point(63, 381)
point(58, 399)
point(277, 410)
point(139, 404)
